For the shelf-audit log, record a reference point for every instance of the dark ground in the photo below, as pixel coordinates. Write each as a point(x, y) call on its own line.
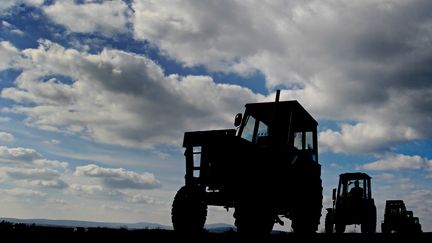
point(32, 233)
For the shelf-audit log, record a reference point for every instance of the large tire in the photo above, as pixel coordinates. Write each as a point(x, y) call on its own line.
point(252, 220)
point(329, 222)
point(189, 211)
point(369, 227)
point(306, 217)
point(385, 229)
point(340, 228)
point(303, 226)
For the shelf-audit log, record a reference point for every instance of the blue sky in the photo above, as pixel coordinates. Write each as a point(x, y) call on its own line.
point(95, 96)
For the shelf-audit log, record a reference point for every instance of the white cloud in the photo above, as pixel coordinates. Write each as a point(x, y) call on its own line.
point(420, 202)
point(397, 162)
point(210, 33)
point(373, 75)
point(55, 184)
point(85, 189)
point(34, 2)
point(40, 177)
point(31, 174)
point(12, 28)
point(28, 167)
point(385, 176)
point(29, 157)
point(119, 97)
point(429, 164)
point(272, 36)
point(365, 62)
point(406, 184)
point(7, 4)
point(364, 137)
point(8, 55)
point(6, 24)
point(114, 207)
point(22, 193)
point(6, 137)
point(140, 198)
point(107, 17)
point(57, 201)
point(52, 142)
point(52, 164)
point(17, 32)
point(18, 154)
point(420, 197)
point(119, 178)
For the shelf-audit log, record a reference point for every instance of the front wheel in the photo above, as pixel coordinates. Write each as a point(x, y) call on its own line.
point(340, 228)
point(301, 226)
point(189, 211)
point(251, 220)
point(369, 227)
point(329, 222)
point(385, 229)
point(307, 214)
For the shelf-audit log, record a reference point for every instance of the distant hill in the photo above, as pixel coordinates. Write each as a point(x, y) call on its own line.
point(86, 224)
point(214, 228)
point(219, 228)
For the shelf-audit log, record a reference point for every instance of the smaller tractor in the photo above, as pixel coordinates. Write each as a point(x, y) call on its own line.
point(398, 219)
point(352, 204)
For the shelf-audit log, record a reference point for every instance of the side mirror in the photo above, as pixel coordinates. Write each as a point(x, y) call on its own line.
point(334, 194)
point(238, 119)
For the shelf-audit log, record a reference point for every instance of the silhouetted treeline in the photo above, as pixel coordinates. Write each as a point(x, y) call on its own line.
point(19, 232)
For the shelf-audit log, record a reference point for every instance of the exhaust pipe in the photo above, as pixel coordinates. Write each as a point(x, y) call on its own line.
point(277, 95)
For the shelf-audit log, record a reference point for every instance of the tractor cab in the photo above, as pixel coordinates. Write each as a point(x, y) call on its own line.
point(280, 125)
point(352, 187)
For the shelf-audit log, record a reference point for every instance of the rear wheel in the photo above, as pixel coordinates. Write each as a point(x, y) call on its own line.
point(329, 222)
point(340, 228)
point(189, 211)
point(253, 220)
point(384, 228)
point(306, 217)
point(369, 227)
point(303, 226)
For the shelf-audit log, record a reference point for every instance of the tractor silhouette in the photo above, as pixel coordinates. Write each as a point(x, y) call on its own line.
point(265, 169)
point(352, 204)
point(398, 219)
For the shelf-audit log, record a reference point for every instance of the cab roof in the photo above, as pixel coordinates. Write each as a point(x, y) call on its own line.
point(284, 110)
point(354, 176)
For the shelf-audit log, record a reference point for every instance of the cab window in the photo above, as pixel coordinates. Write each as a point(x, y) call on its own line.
point(248, 130)
point(255, 131)
point(304, 141)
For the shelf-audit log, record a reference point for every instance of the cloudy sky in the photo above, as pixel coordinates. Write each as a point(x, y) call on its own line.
point(95, 96)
